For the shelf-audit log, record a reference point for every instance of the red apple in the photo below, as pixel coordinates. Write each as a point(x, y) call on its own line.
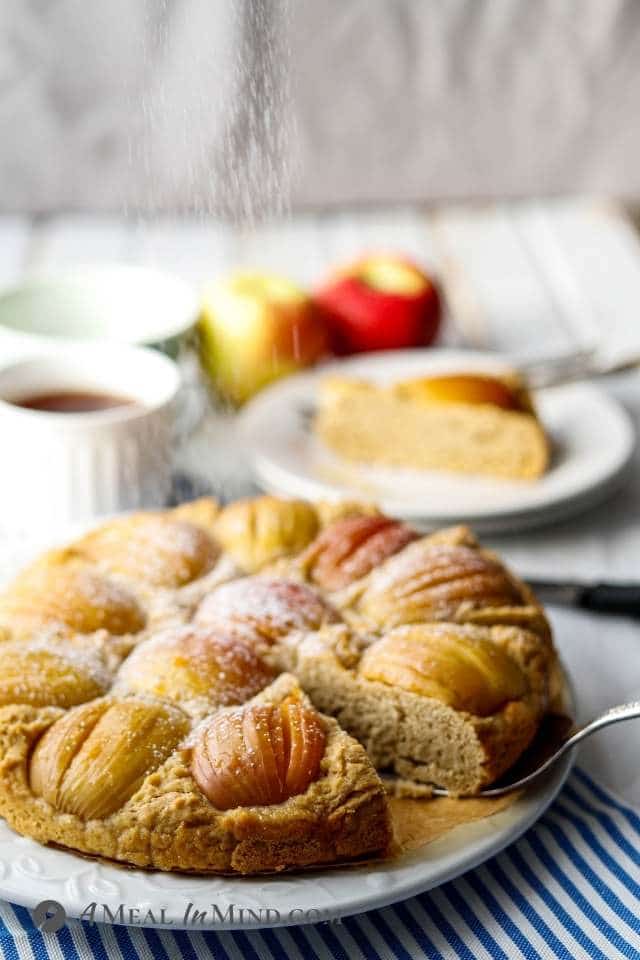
point(380, 302)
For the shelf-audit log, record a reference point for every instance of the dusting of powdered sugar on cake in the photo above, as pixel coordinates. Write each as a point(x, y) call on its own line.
point(272, 607)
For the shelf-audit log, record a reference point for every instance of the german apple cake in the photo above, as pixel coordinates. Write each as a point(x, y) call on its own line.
point(462, 422)
point(216, 690)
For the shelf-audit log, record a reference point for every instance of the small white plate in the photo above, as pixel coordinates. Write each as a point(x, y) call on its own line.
point(593, 440)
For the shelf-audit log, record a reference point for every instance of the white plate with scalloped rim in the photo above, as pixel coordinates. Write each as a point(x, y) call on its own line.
point(593, 440)
point(31, 873)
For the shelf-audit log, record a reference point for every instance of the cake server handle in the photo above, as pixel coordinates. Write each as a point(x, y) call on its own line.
point(617, 598)
point(622, 599)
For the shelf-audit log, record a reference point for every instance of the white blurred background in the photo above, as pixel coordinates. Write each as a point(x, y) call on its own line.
point(133, 104)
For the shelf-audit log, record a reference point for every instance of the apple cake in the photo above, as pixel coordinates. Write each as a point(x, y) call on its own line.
point(218, 690)
point(461, 422)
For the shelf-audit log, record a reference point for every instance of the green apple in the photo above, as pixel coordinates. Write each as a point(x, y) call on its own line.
point(255, 328)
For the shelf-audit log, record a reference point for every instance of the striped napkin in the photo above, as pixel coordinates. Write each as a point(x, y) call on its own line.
point(570, 888)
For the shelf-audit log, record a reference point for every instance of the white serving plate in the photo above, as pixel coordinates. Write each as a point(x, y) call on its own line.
point(31, 873)
point(593, 441)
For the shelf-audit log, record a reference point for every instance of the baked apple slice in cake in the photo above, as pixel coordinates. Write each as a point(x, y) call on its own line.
point(60, 591)
point(197, 667)
point(264, 609)
point(58, 673)
point(379, 572)
point(446, 575)
point(155, 549)
point(256, 531)
point(349, 548)
point(259, 531)
point(259, 754)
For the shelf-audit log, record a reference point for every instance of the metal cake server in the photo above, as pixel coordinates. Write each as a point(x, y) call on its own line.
point(551, 744)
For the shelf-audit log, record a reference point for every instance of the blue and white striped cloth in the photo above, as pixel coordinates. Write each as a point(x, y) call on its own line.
point(570, 888)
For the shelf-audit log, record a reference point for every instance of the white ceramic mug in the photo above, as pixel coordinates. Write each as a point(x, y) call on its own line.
point(58, 469)
point(116, 303)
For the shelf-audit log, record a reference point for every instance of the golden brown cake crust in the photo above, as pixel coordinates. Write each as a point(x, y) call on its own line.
point(425, 655)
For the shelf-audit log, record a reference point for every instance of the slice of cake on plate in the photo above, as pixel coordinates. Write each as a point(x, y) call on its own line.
point(463, 422)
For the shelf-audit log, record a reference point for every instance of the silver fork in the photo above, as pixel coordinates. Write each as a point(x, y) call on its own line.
point(567, 367)
point(624, 711)
point(538, 373)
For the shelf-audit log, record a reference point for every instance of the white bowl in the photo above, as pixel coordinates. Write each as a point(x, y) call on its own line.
point(64, 468)
point(121, 304)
